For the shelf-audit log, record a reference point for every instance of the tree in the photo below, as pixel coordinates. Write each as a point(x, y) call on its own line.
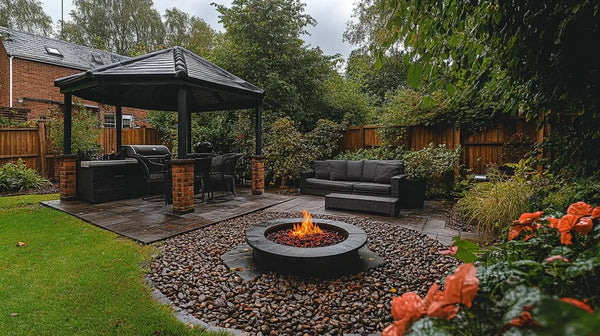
point(187, 31)
point(25, 15)
point(120, 26)
point(262, 44)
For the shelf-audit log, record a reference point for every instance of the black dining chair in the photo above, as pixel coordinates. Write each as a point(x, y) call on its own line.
point(202, 168)
point(223, 172)
point(156, 173)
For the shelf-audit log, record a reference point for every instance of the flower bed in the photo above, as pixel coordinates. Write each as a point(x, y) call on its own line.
point(543, 280)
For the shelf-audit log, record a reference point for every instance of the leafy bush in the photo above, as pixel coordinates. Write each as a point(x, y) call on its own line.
point(324, 138)
point(434, 165)
point(552, 193)
point(286, 151)
point(488, 206)
point(543, 280)
point(85, 130)
point(17, 176)
point(379, 153)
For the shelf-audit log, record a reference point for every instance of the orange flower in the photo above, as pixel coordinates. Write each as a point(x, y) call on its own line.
point(527, 222)
point(580, 209)
point(461, 287)
point(584, 226)
point(596, 212)
point(553, 222)
point(409, 306)
point(395, 329)
point(525, 320)
point(565, 225)
point(579, 304)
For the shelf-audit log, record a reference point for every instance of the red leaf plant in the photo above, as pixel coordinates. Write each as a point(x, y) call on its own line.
point(524, 320)
point(460, 288)
point(527, 222)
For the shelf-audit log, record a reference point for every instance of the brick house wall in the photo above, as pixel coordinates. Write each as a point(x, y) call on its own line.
point(33, 84)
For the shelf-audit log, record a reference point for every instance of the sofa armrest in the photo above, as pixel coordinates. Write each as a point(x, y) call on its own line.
point(396, 184)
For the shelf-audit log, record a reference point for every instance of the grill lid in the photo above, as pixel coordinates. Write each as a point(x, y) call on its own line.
point(145, 150)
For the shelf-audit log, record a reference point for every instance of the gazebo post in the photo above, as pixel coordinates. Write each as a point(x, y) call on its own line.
point(258, 160)
point(119, 126)
point(68, 161)
point(182, 169)
point(68, 122)
point(189, 128)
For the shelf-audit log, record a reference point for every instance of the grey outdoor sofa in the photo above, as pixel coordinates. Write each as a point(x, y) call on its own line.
point(364, 177)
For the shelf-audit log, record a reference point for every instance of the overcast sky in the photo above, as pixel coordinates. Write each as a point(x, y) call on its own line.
point(331, 17)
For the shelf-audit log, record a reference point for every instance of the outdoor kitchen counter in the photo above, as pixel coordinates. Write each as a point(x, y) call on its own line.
point(109, 180)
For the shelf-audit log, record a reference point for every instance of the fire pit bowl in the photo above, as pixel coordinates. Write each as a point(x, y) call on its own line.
point(333, 259)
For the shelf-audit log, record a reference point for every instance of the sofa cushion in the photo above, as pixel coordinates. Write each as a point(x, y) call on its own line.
point(369, 170)
point(338, 170)
point(372, 188)
point(354, 170)
point(321, 170)
point(328, 184)
point(385, 171)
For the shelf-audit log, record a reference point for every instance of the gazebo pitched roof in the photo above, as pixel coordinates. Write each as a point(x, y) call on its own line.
point(152, 81)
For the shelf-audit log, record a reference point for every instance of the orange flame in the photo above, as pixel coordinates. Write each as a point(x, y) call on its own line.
point(306, 228)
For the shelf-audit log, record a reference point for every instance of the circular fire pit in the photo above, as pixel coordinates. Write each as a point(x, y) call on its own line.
point(333, 259)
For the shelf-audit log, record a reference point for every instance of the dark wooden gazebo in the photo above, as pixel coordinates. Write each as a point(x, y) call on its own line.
point(173, 79)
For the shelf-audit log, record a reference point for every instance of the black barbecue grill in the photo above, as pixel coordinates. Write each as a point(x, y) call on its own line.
point(155, 153)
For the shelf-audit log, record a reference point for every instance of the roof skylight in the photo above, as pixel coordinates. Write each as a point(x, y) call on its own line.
point(53, 51)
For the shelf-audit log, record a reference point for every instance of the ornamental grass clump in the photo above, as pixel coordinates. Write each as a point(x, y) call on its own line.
point(489, 206)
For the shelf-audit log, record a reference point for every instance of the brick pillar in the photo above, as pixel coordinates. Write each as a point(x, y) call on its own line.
point(258, 174)
point(68, 176)
point(182, 172)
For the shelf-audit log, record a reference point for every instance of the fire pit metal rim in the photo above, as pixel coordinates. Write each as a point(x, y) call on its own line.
point(255, 237)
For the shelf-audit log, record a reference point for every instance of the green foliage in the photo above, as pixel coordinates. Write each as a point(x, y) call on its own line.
point(324, 139)
point(343, 100)
point(166, 123)
point(408, 107)
point(85, 130)
point(378, 83)
point(467, 251)
point(378, 153)
point(287, 152)
point(25, 15)
point(490, 206)
point(434, 165)
point(187, 31)
point(10, 123)
point(551, 193)
point(117, 26)
point(17, 176)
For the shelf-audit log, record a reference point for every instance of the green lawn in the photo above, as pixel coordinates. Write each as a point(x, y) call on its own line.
point(72, 278)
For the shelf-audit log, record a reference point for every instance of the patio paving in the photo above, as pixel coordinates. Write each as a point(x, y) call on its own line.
point(148, 222)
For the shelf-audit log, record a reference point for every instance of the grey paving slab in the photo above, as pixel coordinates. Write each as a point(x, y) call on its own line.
point(148, 222)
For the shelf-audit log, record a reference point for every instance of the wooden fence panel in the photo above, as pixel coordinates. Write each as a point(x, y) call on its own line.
point(21, 143)
point(33, 146)
point(479, 149)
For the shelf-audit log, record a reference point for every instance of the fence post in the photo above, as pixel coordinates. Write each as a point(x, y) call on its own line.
point(41, 127)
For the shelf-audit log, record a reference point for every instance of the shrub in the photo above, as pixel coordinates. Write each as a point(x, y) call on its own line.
point(85, 130)
point(379, 153)
point(489, 206)
point(286, 151)
point(324, 138)
point(434, 165)
point(552, 193)
point(17, 176)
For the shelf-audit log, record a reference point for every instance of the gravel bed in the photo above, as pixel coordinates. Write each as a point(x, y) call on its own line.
point(190, 273)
